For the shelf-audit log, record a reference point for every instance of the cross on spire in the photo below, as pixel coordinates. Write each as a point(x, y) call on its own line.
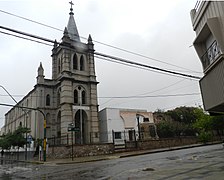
point(71, 9)
point(71, 4)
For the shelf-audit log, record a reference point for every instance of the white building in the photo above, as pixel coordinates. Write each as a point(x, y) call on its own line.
point(119, 125)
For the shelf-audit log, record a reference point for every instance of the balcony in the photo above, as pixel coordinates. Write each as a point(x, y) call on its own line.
point(210, 55)
point(212, 87)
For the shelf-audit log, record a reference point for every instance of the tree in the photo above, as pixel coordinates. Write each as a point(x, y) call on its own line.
point(165, 129)
point(203, 121)
point(18, 137)
point(203, 125)
point(218, 124)
point(5, 141)
point(14, 139)
point(183, 114)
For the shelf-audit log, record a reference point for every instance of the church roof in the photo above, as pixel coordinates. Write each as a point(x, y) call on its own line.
point(72, 29)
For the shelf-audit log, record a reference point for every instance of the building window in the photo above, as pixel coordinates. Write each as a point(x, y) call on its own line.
point(59, 97)
point(48, 100)
point(117, 135)
point(76, 97)
point(96, 135)
point(145, 119)
point(75, 62)
point(82, 63)
point(59, 65)
point(83, 97)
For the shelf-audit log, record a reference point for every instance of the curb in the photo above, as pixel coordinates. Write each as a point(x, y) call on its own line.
point(168, 149)
point(89, 160)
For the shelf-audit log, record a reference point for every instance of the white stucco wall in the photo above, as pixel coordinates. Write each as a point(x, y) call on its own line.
point(110, 120)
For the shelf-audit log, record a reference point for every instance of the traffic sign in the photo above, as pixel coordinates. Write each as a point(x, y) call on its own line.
point(76, 129)
point(29, 138)
point(81, 107)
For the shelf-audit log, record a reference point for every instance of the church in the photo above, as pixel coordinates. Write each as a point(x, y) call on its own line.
point(68, 98)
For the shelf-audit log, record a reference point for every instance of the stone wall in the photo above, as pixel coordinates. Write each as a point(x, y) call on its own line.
point(166, 143)
point(79, 150)
point(102, 149)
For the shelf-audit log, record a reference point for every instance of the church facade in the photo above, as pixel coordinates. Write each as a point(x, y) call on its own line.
point(69, 97)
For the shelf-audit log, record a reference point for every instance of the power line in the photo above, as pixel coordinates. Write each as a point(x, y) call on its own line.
point(109, 56)
point(121, 97)
point(189, 102)
point(122, 63)
point(111, 46)
point(25, 38)
point(146, 66)
point(163, 87)
point(145, 93)
point(27, 34)
point(162, 96)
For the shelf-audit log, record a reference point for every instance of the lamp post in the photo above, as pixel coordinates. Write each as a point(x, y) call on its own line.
point(71, 128)
point(8, 93)
point(139, 133)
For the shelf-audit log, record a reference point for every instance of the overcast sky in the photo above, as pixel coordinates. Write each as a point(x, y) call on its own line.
point(157, 29)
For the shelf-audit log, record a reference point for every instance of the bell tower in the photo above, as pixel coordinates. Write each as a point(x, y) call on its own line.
point(73, 69)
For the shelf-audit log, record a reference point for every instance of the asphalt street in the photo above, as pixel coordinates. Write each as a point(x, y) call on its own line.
point(206, 162)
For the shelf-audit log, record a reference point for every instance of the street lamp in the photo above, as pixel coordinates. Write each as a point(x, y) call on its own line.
point(71, 128)
point(139, 133)
point(8, 94)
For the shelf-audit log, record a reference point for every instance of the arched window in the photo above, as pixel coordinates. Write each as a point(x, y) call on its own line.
point(76, 97)
point(59, 65)
point(59, 97)
point(83, 97)
point(82, 63)
point(75, 62)
point(59, 125)
point(48, 100)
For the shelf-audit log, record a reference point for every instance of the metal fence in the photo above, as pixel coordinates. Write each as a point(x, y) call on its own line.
point(211, 54)
point(115, 137)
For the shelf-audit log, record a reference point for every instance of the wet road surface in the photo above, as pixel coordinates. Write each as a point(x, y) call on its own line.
point(205, 162)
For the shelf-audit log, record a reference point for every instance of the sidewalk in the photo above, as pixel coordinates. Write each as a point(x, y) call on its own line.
point(116, 155)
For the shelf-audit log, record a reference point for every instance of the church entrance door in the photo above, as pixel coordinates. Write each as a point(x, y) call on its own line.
point(80, 122)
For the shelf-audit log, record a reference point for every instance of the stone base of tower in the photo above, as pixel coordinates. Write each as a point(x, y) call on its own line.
point(79, 125)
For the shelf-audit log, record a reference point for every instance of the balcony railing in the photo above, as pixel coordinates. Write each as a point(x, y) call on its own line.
point(210, 55)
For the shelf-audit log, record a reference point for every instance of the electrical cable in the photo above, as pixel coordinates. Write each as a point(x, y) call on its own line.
point(25, 38)
point(146, 66)
point(111, 46)
point(109, 56)
point(163, 95)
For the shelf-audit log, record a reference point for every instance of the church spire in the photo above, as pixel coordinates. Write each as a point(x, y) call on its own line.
point(72, 29)
point(40, 74)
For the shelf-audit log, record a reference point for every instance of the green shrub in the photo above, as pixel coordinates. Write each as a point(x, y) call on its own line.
point(205, 137)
